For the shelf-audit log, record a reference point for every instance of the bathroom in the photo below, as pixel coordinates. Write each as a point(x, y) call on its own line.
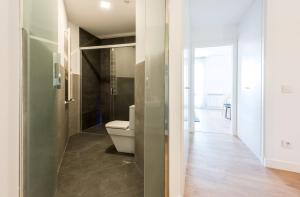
point(99, 159)
point(92, 125)
point(84, 100)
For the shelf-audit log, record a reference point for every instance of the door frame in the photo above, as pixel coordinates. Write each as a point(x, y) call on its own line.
point(234, 45)
point(81, 49)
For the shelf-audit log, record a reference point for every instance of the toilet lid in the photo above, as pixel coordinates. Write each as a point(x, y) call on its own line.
point(118, 124)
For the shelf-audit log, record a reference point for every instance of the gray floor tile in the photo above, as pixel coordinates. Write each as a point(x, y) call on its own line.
point(88, 171)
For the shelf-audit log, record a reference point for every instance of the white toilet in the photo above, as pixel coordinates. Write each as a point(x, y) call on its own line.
point(122, 132)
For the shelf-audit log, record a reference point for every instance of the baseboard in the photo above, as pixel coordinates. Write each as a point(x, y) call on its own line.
point(283, 165)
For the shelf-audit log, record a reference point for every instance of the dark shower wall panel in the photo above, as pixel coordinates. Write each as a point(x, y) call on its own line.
point(91, 94)
point(105, 100)
point(87, 39)
point(91, 81)
point(121, 40)
point(98, 105)
point(124, 98)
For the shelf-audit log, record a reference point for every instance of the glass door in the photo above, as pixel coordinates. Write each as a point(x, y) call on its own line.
point(122, 81)
point(41, 80)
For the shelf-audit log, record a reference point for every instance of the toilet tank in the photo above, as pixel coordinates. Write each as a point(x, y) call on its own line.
point(131, 117)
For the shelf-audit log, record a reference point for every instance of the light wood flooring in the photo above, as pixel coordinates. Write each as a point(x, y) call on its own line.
point(221, 165)
point(212, 121)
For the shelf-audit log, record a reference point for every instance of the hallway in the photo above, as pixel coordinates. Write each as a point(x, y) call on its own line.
point(221, 165)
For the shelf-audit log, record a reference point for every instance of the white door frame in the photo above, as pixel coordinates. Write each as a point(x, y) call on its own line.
point(234, 45)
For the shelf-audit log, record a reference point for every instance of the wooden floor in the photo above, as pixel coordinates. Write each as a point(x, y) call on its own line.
point(213, 121)
point(221, 166)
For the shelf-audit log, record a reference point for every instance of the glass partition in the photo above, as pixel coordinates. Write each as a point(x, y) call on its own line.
point(41, 79)
point(107, 86)
point(122, 81)
point(155, 99)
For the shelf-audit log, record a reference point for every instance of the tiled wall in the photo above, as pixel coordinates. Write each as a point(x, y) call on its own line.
point(91, 81)
point(87, 39)
point(124, 98)
point(98, 106)
point(74, 107)
point(105, 101)
point(121, 40)
point(91, 94)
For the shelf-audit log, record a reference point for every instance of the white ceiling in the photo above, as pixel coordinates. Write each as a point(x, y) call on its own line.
point(218, 12)
point(118, 20)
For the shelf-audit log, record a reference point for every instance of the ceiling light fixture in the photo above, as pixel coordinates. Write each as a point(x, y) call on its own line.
point(105, 4)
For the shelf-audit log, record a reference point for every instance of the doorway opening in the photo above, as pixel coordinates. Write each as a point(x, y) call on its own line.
point(214, 89)
point(107, 85)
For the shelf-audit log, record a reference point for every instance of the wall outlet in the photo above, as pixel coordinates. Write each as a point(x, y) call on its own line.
point(286, 144)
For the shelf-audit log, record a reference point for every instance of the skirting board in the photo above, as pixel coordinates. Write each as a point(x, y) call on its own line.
point(283, 165)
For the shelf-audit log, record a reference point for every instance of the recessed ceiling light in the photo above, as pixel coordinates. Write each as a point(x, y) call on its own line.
point(105, 4)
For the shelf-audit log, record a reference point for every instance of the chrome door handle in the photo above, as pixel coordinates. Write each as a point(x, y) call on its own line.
point(56, 71)
point(70, 101)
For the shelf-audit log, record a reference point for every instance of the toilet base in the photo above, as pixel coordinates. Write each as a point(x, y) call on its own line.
point(123, 144)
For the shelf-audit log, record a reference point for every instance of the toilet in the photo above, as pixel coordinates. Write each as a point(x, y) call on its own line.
point(122, 132)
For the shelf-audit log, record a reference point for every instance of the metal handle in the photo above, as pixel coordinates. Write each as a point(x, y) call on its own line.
point(70, 101)
point(56, 71)
point(111, 91)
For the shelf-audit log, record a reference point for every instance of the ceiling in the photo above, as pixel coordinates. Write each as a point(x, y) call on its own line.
point(218, 12)
point(117, 21)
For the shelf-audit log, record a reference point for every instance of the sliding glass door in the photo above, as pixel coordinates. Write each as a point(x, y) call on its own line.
point(122, 81)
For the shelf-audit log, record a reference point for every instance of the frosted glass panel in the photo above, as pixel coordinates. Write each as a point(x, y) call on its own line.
point(41, 18)
point(39, 96)
point(155, 98)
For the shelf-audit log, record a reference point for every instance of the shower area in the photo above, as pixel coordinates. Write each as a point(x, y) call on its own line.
point(107, 85)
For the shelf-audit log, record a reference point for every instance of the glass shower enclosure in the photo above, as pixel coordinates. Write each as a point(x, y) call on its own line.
point(107, 86)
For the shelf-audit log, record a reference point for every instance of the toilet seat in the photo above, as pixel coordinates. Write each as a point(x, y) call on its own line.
point(118, 124)
point(120, 128)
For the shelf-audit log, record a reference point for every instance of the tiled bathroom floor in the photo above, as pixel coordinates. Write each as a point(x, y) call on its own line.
point(97, 129)
point(88, 171)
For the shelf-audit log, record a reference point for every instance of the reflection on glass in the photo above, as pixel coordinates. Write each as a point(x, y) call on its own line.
point(155, 98)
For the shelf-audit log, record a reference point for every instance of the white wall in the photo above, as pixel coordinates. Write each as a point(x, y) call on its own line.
point(179, 57)
point(140, 30)
point(282, 84)
point(250, 79)
point(213, 35)
point(75, 51)
point(62, 27)
point(188, 100)
point(9, 99)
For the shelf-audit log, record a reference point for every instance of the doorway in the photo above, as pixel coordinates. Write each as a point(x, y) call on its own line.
point(57, 158)
point(214, 89)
